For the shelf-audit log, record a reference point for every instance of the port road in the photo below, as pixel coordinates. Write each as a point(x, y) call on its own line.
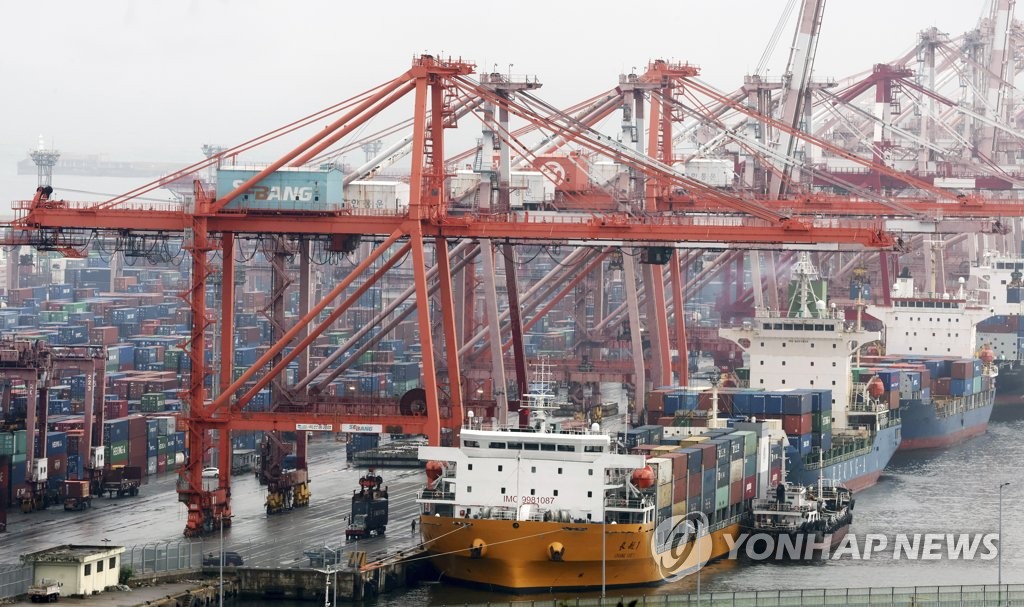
point(156, 516)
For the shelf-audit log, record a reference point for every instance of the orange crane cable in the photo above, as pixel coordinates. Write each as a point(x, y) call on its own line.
point(244, 146)
point(597, 142)
point(940, 193)
point(691, 184)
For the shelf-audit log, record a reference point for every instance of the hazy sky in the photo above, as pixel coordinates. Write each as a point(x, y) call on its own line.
point(155, 80)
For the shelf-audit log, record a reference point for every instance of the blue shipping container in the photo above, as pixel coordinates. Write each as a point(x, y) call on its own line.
point(285, 189)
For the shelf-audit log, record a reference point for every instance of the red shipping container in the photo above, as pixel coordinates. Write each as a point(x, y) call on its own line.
point(894, 400)
point(695, 482)
point(750, 487)
point(774, 476)
point(797, 424)
point(57, 466)
point(679, 461)
point(736, 492)
point(709, 455)
point(161, 463)
point(679, 492)
point(106, 336)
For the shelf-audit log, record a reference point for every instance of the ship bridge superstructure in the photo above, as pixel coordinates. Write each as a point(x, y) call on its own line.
point(520, 475)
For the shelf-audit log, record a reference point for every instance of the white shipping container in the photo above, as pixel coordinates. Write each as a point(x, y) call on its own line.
point(378, 195)
point(662, 469)
point(716, 172)
point(955, 182)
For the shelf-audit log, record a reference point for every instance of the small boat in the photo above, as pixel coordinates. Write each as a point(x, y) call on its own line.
point(799, 523)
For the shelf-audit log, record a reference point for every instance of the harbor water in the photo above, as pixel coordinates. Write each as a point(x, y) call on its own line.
point(954, 490)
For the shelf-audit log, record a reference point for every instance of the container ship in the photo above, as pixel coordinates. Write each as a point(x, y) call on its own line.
point(800, 370)
point(533, 508)
point(945, 391)
point(1002, 278)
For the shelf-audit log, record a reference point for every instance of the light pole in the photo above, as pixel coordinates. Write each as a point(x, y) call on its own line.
point(697, 528)
point(221, 585)
point(604, 540)
point(999, 555)
point(334, 570)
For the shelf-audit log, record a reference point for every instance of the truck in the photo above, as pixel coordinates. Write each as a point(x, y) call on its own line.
point(45, 591)
point(77, 495)
point(122, 480)
point(369, 508)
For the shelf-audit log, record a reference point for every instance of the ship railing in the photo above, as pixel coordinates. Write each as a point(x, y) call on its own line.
point(774, 506)
point(615, 503)
point(436, 495)
point(816, 460)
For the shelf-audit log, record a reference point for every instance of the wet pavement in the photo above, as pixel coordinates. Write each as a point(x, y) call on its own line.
point(155, 516)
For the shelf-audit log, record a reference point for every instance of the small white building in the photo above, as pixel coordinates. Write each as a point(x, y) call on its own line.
point(83, 570)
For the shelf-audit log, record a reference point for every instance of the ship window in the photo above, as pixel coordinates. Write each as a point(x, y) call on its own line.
point(787, 326)
point(555, 493)
point(833, 363)
point(469, 489)
point(531, 446)
point(559, 470)
point(99, 566)
point(812, 345)
point(566, 447)
point(833, 346)
point(533, 469)
point(497, 445)
point(812, 363)
point(593, 449)
point(503, 491)
point(547, 447)
point(499, 467)
point(590, 471)
point(819, 327)
point(470, 466)
point(515, 445)
point(533, 492)
point(113, 562)
point(470, 443)
point(590, 494)
point(762, 363)
point(88, 569)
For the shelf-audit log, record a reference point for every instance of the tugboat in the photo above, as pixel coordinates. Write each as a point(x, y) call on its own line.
point(369, 508)
point(800, 521)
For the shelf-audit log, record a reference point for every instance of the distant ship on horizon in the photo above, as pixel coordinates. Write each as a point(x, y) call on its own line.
point(96, 165)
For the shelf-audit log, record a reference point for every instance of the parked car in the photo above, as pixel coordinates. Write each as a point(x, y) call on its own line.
point(211, 472)
point(231, 559)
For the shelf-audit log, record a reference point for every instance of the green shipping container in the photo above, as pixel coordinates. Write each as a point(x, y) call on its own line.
point(749, 441)
point(6, 443)
point(721, 498)
point(749, 466)
point(821, 422)
point(161, 444)
point(116, 454)
point(19, 442)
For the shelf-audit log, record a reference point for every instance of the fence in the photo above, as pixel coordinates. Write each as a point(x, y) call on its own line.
point(160, 557)
point(14, 580)
point(1007, 595)
point(156, 557)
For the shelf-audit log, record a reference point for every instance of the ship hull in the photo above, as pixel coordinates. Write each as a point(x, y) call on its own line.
point(1010, 386)
point(518, 555)
point(923, 428)
point(857, 472)
point(792, 546)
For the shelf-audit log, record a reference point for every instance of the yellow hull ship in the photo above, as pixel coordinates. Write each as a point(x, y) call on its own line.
point(545, 555)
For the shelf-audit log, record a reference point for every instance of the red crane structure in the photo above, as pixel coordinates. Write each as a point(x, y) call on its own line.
point(426, 231)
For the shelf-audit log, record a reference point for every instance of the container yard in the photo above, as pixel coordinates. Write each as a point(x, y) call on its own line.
point(584, 339)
